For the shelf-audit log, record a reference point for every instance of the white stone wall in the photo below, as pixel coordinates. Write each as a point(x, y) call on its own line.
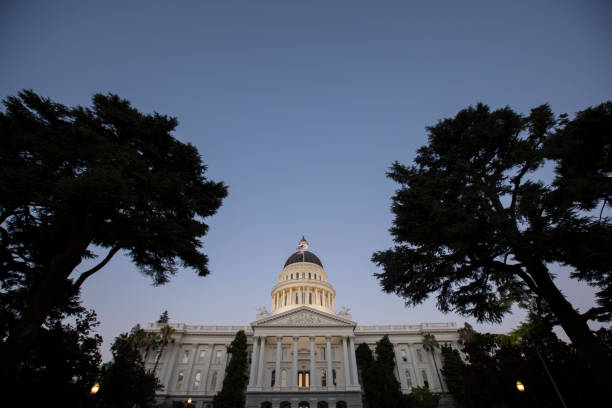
point(411, 358)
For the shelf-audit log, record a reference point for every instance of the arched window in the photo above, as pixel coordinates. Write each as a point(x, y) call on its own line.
point(322, 404)
point(266, 404)
point(303, 404)
point(310, 298)
point(273, 378)
point(285, 404)
point(283, 378)
point(340, 404)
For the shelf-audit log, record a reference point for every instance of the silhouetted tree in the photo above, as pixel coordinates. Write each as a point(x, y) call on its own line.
point(124, 383)
point(453, 371)
point(474, 226)
point(235, 381)
point(365, 364)
point(74, 179)
point(62, 364)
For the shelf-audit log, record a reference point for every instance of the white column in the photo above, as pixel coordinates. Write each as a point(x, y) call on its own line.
point(171, 357)
point(312, 363)
point(347, 374)
point(191, 370)
point(401, 375)
point(207, 367)
point(415, 364)
point(277, 384)
point(295, 362)
point(330, 377)
point(221, 375)
point(252, 378)
point(262, 353)
point(353, 360)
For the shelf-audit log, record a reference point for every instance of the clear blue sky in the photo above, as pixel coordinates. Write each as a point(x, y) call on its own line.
point(300, 107)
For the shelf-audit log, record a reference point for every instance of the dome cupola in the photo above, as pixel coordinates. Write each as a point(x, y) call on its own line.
point(303, 282)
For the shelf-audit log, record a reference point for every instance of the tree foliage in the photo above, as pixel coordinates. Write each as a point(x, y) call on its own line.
point(453, 371)
point(496, 362)
point(62, 364)
point(236, 378)
point(107, 177)
point(475, 226)
point(380, 384)
point(124, 383)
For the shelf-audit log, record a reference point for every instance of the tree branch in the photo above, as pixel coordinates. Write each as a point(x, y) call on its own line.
point(518, 270)
point(516, 181)
point(96, 268)
point(594, 312)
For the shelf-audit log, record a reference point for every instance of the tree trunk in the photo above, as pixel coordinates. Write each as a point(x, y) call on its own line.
point(574, 326)
point(49, 292)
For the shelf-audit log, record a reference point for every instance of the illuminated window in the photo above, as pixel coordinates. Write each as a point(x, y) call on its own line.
point(202, 356)
point(185, 359)
point(303, 379)
point(196, 381)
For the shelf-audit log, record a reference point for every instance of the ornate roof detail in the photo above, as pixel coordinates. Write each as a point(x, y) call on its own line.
point(303, 316)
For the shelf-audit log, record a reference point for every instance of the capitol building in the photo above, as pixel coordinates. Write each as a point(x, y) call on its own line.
point(302, 351)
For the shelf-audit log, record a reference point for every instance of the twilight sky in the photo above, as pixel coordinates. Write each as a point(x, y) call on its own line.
point(300, 107)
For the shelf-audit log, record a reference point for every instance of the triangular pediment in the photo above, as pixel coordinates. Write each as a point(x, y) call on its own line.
point(303, 316)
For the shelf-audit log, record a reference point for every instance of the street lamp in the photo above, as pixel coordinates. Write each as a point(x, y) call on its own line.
point(94, 389)
point(520, 386)
point(189, 401)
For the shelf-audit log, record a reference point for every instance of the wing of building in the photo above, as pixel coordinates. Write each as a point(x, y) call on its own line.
point(302, 351)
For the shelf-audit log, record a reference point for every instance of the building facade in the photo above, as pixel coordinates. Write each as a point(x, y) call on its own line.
point(302, 352)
